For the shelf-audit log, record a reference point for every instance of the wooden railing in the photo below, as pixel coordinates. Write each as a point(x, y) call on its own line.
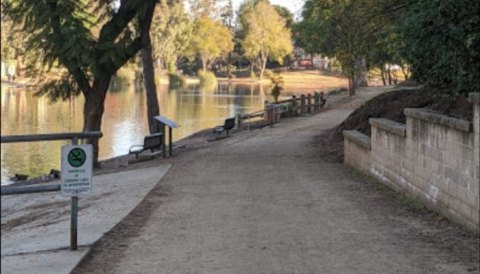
point(295, 106)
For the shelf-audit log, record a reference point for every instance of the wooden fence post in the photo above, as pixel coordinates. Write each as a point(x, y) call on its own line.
point(309, 105)
point(294, 106)
point(266, 112)
point(316, 101)
point(302, 104)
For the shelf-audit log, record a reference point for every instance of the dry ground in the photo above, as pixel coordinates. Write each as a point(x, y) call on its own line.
point(268, 201)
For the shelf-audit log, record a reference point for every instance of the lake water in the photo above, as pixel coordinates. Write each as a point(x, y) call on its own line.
point(124, 121)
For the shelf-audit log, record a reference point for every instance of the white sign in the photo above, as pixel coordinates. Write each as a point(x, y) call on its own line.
point(77, 166)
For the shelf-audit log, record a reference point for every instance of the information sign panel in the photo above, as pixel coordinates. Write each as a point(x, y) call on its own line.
point(77, 166)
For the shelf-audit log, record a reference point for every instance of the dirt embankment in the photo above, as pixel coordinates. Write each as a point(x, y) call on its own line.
point(390, 105)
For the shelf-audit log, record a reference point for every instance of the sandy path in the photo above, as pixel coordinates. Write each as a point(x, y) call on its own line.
point(266, 202)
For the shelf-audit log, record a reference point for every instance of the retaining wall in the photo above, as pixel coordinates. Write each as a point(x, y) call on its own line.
point(434, 159)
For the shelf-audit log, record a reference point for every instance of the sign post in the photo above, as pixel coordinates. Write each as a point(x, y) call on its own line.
point(76, 176)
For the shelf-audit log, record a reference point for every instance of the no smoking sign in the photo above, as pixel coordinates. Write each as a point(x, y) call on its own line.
point(77, 165)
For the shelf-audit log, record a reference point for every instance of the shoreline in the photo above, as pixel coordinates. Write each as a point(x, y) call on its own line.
point(120, 162)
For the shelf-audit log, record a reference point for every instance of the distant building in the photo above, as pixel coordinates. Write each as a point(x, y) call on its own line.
point(302, 59)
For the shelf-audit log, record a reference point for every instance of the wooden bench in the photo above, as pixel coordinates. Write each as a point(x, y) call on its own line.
point(228, 125)
point(151, 142)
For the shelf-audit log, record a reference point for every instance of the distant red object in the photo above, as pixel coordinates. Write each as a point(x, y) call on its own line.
point(305, 63)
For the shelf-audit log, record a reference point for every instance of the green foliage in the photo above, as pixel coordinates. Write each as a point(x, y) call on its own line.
point(277, 81)
point(176, 81)
point(269, 73)
point(170, 33)
point(442, 43)
point(208, 81)
point(337, 28)
point(438, 39)
point(82, 40)
point(210, 40)
point(285, 14)
point(59, 89)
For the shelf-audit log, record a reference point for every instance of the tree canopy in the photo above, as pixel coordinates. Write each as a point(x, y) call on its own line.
point(87, 40)
point(438, 39)
point(171, 31)
point(266, 35)
point(210, 39)
point(442, 43)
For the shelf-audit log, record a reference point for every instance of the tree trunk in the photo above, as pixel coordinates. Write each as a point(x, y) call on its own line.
point(229, 65)
point(405, 72)
point(204, 64)
point(389, 75)
point(93, 111)
point(382, 73)
point(263, 65)
point(351, 85)
point(150, 87)
point(362, 73)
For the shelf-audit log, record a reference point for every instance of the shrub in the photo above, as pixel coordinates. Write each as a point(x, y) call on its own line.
point(208, 81)
point(268, 73)
point(277, 81)
point(175, 80)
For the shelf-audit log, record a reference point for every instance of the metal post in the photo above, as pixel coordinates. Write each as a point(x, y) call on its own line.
point(73, 224)
point(170, 140)
point(74, 214)
point(164, 146)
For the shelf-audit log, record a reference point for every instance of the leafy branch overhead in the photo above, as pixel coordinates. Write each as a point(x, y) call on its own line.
point(89, 39)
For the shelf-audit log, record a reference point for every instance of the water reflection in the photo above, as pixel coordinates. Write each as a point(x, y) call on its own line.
point(124, 122)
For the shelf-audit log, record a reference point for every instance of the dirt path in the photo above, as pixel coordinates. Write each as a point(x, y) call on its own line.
point(266, 201)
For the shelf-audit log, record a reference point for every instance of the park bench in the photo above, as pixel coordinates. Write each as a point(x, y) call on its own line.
point(152, 142)
point(228, 125)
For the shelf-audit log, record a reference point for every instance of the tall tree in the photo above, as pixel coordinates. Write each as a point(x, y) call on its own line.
point(266, 36)
point(153, 109)
point(210, 39)
point(286, 14)
point(227, 19)
point(341, 29)
point(171, 32)
point(442, 43)
point(208, 8)
point(63, 32)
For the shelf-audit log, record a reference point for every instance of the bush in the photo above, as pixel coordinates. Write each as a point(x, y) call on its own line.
point(175, 80)
point(268, 73)
point(208, 81)
point(277, 81)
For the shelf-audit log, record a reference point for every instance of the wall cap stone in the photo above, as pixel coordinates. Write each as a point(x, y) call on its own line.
point(474, 97)
point(359, 138)
point(390, 126)
point(437, 118)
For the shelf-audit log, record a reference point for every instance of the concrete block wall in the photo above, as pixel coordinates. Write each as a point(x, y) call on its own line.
point(357, 150)
point(434, 158)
